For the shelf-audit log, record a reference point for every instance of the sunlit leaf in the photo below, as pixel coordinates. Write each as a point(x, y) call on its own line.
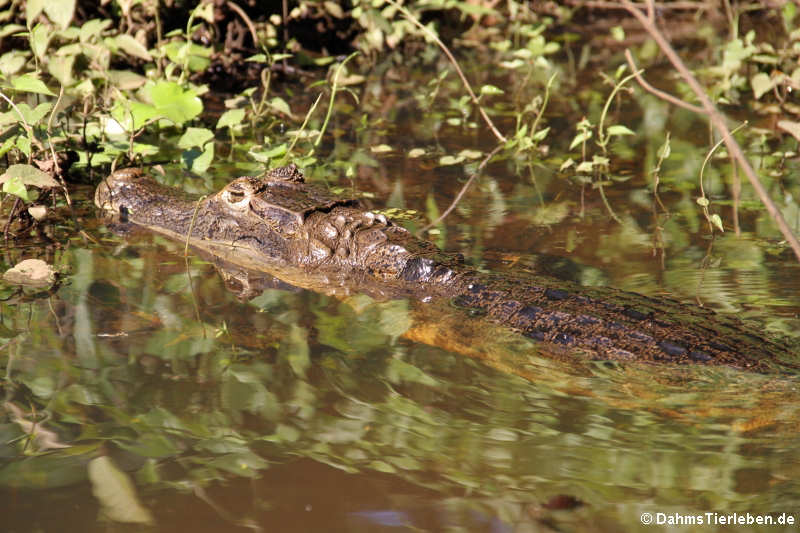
point(116, 493)
point(28, 175)
point(132, 47)
point(30, 84)
point(280, 105)
point(581, 137)
point(11, 62)
point(264, 156)
point(40, 39)
point(32, 10)
point(619, 129)
point(585, 167)
point(791, 127)
point(702, 201)
point(175, 103)
point(230, 118)
point(60, 12)
point(470, 154)
point(716, 221)
point(381, 149)
point(450, 160)
point(195, 137)
point(416, 152)
point(491, 90)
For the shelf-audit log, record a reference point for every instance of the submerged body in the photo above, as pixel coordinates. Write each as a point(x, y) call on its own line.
point(279, 220)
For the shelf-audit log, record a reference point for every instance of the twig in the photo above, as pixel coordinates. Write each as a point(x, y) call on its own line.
point(718, 121)
point(247, 21)
point(452, 59)
point(658, 92)
point(664, 6)
point(462, 191)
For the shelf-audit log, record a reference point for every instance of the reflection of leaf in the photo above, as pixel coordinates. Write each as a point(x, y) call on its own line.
point(297, 348)
point(116, 493)
point(399, 371)
point(245, 464)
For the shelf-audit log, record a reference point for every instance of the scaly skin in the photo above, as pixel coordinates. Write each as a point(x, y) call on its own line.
point(279, 220)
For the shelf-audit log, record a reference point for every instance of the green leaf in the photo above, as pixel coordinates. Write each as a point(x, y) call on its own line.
point(60, 67)
point(8, 144)
point(229, 118)
point(619, 129)
point(175, 103)
point(32, 10)
point(31, 116)
point(14, 186)
point(60, 12)
point(381, 149)
point(11, 62)
point(195, 137)
point(416, 152)
point(280, 105)
point(585, 167)
point(491, 89)
point(197, 56)
point(132, 115)
point(450, 160)
point(580, 138)
point(702, 201)
point(40, 39)
point(470, 154)
point(717, 221)
point(618, 33)
point(761, 83)
point(29, 83)
point(264, 156)
point(93, 29)
point(199, 161)
point(132, 47)
point(566, 164)
point(28, 175)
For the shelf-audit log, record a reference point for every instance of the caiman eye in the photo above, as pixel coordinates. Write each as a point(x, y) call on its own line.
point(236, 198)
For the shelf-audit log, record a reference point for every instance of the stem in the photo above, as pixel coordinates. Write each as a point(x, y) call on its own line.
point(718, 121)
point(452, 59)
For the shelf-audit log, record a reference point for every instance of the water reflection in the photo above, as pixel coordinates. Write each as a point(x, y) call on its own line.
point(341, 420)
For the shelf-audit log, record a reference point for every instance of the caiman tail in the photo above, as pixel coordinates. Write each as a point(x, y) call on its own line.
point(281, 220)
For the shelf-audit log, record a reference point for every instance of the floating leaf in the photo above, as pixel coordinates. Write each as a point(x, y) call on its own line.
point(450, 160)
point(416, 152)
point(470, 154)
point(116, 493)
point(381, 149)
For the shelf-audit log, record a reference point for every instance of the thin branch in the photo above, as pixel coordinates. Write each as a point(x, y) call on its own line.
point(718, 121)
point(452, 59)
point(664, 6)
point(247, 21)
point(658, 92)
point(462, 191)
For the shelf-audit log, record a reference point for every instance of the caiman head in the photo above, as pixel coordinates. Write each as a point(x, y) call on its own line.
point(276, 217)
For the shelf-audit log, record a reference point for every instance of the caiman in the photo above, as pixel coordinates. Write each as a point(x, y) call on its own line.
point(280, 220)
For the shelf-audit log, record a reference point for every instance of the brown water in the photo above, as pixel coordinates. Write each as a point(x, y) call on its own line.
point(297, 412)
